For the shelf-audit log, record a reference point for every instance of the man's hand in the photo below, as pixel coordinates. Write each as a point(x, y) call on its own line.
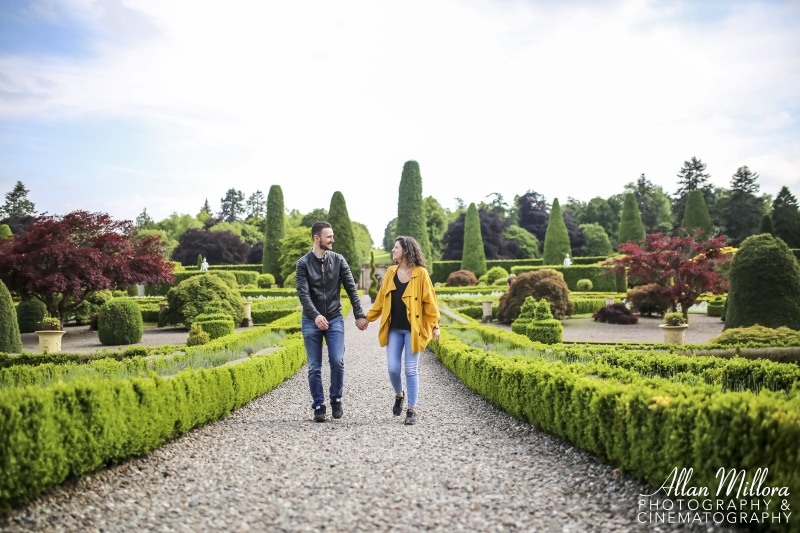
point(362, 323)
point(321, 322)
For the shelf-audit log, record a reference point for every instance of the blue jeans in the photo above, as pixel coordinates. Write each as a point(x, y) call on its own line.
point(400, 340)
point(334, 338)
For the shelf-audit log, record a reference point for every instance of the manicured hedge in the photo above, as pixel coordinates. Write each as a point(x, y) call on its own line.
point(647, 426)
point(602, 278)
point(48, 435)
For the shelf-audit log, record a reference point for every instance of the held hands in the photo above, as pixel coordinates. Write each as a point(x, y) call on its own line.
point(362, 323)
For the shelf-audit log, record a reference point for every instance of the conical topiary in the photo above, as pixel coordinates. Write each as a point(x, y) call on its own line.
point(411, 220)
point(764, 285)
point(473, 258)
point(274, 230)
point(631, 228)
point(10, 340)
point(556, 238)
point(696, 215)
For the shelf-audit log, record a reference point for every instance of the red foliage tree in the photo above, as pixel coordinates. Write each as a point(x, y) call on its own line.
point(62, 259)
point(685, 266)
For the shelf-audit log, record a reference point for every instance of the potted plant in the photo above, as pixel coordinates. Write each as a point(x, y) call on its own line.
point(674, 328)
point(50, 334)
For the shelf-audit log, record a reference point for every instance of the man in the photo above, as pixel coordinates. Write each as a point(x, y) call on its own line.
point(320, 274)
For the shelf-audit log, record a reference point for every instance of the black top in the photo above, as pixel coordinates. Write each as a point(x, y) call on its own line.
point(399, 318)
point(319, 282)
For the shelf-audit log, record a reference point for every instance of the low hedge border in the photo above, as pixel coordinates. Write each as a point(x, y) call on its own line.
point(641, 428)
point(49, 435)
point(603, 278)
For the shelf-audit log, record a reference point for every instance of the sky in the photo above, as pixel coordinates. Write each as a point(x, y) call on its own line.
point(124, 105)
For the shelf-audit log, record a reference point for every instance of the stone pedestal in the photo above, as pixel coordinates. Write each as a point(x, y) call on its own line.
point(50, 340)
point(487, 312)
point(247, 321)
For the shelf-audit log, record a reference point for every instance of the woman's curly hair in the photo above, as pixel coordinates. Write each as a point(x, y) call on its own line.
point(412, 251)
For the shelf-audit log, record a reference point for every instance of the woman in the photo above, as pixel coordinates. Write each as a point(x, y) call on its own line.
point(409, 315)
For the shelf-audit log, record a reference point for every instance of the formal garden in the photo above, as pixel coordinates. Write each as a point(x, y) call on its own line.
point(645, 407)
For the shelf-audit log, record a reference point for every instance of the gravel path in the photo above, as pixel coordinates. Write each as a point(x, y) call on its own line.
point(465, 466)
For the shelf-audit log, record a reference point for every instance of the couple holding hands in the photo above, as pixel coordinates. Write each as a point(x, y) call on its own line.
point(406, 305)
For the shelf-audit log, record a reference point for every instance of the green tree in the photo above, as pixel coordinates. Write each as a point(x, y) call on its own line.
point(176, 225)
point(363, 242)
point(556, 238)
point(255, 205)
point(474, 256)
point(339, 219)
point(766, 225)
point(692, 176)
point(317, 215)
point(436, 219)
point(786, 218)
point(597, 241)
point(742, 213)
point(295, 244)
point(232, 206)
point(143, 221)
point(527, 241)
point(389, 235)
point(630, 223)
point(5, 231)
point(654, 205)
point(696, 215)
point(599, 211)
point(764, 285)
point(10, 340)
point(411, 220)
point(274, 231)
point(17, 205)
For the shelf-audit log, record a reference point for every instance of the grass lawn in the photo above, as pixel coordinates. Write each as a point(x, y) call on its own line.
point(382, 257)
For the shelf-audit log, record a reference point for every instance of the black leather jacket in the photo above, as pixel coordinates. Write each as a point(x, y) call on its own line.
point(318, 282)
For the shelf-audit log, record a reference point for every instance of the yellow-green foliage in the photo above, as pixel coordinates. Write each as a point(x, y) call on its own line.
point(197, 336)
point(758, 335)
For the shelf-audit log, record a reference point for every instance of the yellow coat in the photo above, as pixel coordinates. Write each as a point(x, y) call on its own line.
point(421, 307)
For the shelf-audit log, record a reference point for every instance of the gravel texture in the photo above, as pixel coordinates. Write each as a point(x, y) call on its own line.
point(465, 466)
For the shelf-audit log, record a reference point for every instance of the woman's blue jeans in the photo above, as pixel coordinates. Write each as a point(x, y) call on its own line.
point(334, 338)
point(399, 341)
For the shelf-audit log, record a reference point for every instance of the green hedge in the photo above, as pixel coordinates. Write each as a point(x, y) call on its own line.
point(267, 293)
point(216, 327)
point(602, 278)
point(49, 435)
point(648, 426)
point(586, 306)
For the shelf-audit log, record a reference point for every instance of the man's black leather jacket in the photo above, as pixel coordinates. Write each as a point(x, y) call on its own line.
point(318, 282)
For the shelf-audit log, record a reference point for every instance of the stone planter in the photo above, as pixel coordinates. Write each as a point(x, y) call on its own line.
point(674, 334)
point(50, 340)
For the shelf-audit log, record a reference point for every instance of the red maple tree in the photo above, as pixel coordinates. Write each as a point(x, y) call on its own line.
point(685, 266)
point(62, 259)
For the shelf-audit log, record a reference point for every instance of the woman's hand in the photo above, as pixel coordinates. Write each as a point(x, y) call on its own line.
point(436, 334)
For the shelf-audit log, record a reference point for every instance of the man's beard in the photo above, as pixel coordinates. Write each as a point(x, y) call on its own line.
point(324, 247)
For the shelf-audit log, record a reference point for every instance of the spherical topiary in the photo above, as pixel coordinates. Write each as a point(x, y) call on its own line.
point(764, 285)
point(584, 285)
point(493, 275)
point(120, 322)
point(10, 341)
point(199, 294)
point(265, 281)
point(461, 278)
point(29, 313)
point(542, 283)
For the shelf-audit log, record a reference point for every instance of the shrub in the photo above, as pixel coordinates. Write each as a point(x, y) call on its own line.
point(10, 341)
point(194, 296)
point(675, 319)
point(544, 283)
point(548, 331)
point(90, 307)
point(228, 277)
point(764, 285)
point(373, 278)
point(584, 285)
point(49, 323)
point(527, 312)
point(291, 281)
point(758, 334)
point(716, 307)
point(215, 324)
point(265, 281)
point(197, 336)
point(120, 322)
point(651, 299)
point(29, 313)
point(616, 314)
point(461, 278)
point(493, 275)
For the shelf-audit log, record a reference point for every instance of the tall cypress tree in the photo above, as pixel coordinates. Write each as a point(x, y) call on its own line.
point(343, 232)
point(473, 257)
point(411, 220)
point(10, 341)
point(631, 228)
point(274, 231)
point(766, 225)
point(696, 215)
point(556, 238)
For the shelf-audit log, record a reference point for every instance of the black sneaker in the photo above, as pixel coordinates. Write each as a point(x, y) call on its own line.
point(398, 405)
point(411, 417)
point(336, 408)
point(319, 414)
